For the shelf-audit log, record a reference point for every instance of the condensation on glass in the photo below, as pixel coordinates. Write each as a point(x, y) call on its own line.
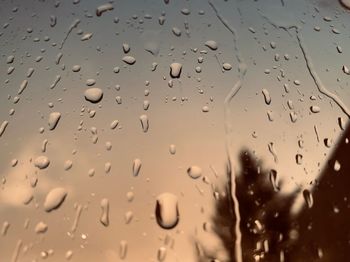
point(163, 130)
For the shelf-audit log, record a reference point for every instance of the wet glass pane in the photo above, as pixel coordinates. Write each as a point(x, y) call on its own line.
point(163, 130)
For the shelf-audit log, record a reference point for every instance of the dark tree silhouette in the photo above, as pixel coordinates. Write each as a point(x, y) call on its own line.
point(269, 231)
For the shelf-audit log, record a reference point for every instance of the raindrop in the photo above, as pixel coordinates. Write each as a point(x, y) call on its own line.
point(211, 44)
point(104, 219)
point(172, 149)
point(266, 95)
point(205, 109)
point(41, 228)
point(41, 162)
point(194, 172)
point(129, 215)
point(176, 31)
point(76, 68)
point(67, 165)
point(336, 166)
point(136, 167)
point(103, 8)
point(114, 124)
point(308, 198)
point(273, 180)
point(54, 199)
point(226, 66)
point(144, 123)
point(161, 255)
point(126, 48)
point(3, 127)
point(175, 70)
point(299, 159)
point(129, 60)
point(123, 249)
point(167, 213)
point(54, 118)
point(93, 95)
point(315, 109)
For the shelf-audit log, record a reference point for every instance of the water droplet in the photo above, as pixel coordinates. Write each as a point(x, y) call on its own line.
point(336, 166)
point(130, 196)
point(161, 255)
point(129, 60)
point(40, 228)
point(3, 127)
point(346, 70)
point(104, 219)
point(76, 68)
point(175, 70)
point(194, 172)
point(114, 124)
point(167, 212)
point(123, 249)
point(176, 31)
point(93, 95)
point(146, 104)
point(205, 109)
point(315, 109)
point(54, 199)
point(345, 3)
point(129, 215)
point(54, 118)
point(226, 66)
point(308, 198)
point(172, 149)
point(299, 159)
point(103, 8)
point(41, 162)
point(266, 95)
point(69, 254)
point(136, 167)
point(144, 123)
point(126, 48)
point(211, 44)
point(90, 82)
point(185, 11)
point(87, 36)
point(273, 180)
point(67, 165)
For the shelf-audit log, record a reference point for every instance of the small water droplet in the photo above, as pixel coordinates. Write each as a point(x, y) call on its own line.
point(136, 167)
point(308, 198)
point(104, 219)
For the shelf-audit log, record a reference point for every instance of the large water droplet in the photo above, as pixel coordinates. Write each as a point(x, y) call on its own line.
point(41, 162)
point(54, 117)
point(55, 198)
point(167, 212)
point(144, 123)
point(175, 70)
point(93, 95)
